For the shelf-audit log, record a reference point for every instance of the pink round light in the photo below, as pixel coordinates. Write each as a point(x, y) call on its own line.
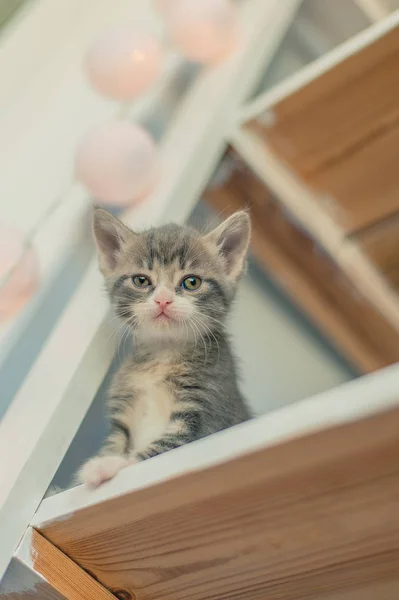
point(117, 162)
point(164, 6)
point(121, 64)
point(203, 30)
point(17, 286)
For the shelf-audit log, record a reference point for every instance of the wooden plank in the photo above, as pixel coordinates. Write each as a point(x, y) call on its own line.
point(302, 204)
point(63, 389)
point(298, 504)
point(40, 571)
point(340, 145)
point(309, 276)
point(381, 243)
point(393, 277)
point(258, 108)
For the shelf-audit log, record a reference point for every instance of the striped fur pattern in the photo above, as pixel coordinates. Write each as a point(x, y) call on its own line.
point(180, 382)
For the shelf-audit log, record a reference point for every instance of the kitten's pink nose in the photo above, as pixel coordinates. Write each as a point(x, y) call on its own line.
point(163, 303)
point(163, 298)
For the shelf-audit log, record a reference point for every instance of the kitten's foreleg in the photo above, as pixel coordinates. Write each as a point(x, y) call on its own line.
point(111, 459)
point(184, 427)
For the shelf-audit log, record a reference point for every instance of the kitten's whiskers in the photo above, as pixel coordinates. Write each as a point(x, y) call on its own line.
point(194, 323)
point(209, 332)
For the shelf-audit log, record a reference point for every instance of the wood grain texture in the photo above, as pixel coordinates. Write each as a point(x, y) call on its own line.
point(61, 573)
point(340, 134)
point(41, 571)
point(311, 518)
point(393, 277)
point(308, 275)
point(381, 243)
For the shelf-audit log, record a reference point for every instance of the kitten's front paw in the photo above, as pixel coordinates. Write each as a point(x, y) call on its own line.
point(100, 469)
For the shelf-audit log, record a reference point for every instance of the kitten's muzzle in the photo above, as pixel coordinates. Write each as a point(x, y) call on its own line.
point(163, 298)
point(163, 313)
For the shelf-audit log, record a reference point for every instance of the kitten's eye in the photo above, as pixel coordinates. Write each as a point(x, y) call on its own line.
point(191, 283)
point(141, 281)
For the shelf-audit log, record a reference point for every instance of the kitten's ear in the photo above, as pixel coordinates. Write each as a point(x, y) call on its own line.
point(232, 240)
point(111, 236)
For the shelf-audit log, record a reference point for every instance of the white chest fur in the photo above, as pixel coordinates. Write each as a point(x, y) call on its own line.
point(152, 407)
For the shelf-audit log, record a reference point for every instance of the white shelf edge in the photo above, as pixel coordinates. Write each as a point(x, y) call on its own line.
point(375, 10)
point(350, 402)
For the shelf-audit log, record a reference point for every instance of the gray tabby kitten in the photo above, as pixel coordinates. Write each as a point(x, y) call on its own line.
point(173, 287)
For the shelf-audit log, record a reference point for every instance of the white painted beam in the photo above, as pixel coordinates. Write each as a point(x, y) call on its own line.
point(374, 9)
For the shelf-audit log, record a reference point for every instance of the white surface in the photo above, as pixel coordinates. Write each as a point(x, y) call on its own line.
point(51, 403)
point(48, 408)
point(56, 238)
point(374, 9)
point(46, 101)
point(280, 361)
point(21, 576)
point(355, 400)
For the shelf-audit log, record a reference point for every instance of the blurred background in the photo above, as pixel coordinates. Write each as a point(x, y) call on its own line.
point(300, 324)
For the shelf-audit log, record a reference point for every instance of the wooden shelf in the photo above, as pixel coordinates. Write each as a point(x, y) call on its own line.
point(39, 570)
point(340, 134)
point(325, 143)
point(301, 503)
point(381, 243)
point(309, 276)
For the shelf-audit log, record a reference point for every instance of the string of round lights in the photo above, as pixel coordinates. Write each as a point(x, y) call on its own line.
point(117, 161)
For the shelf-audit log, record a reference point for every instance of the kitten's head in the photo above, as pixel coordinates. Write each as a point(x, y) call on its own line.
point(171, 280)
